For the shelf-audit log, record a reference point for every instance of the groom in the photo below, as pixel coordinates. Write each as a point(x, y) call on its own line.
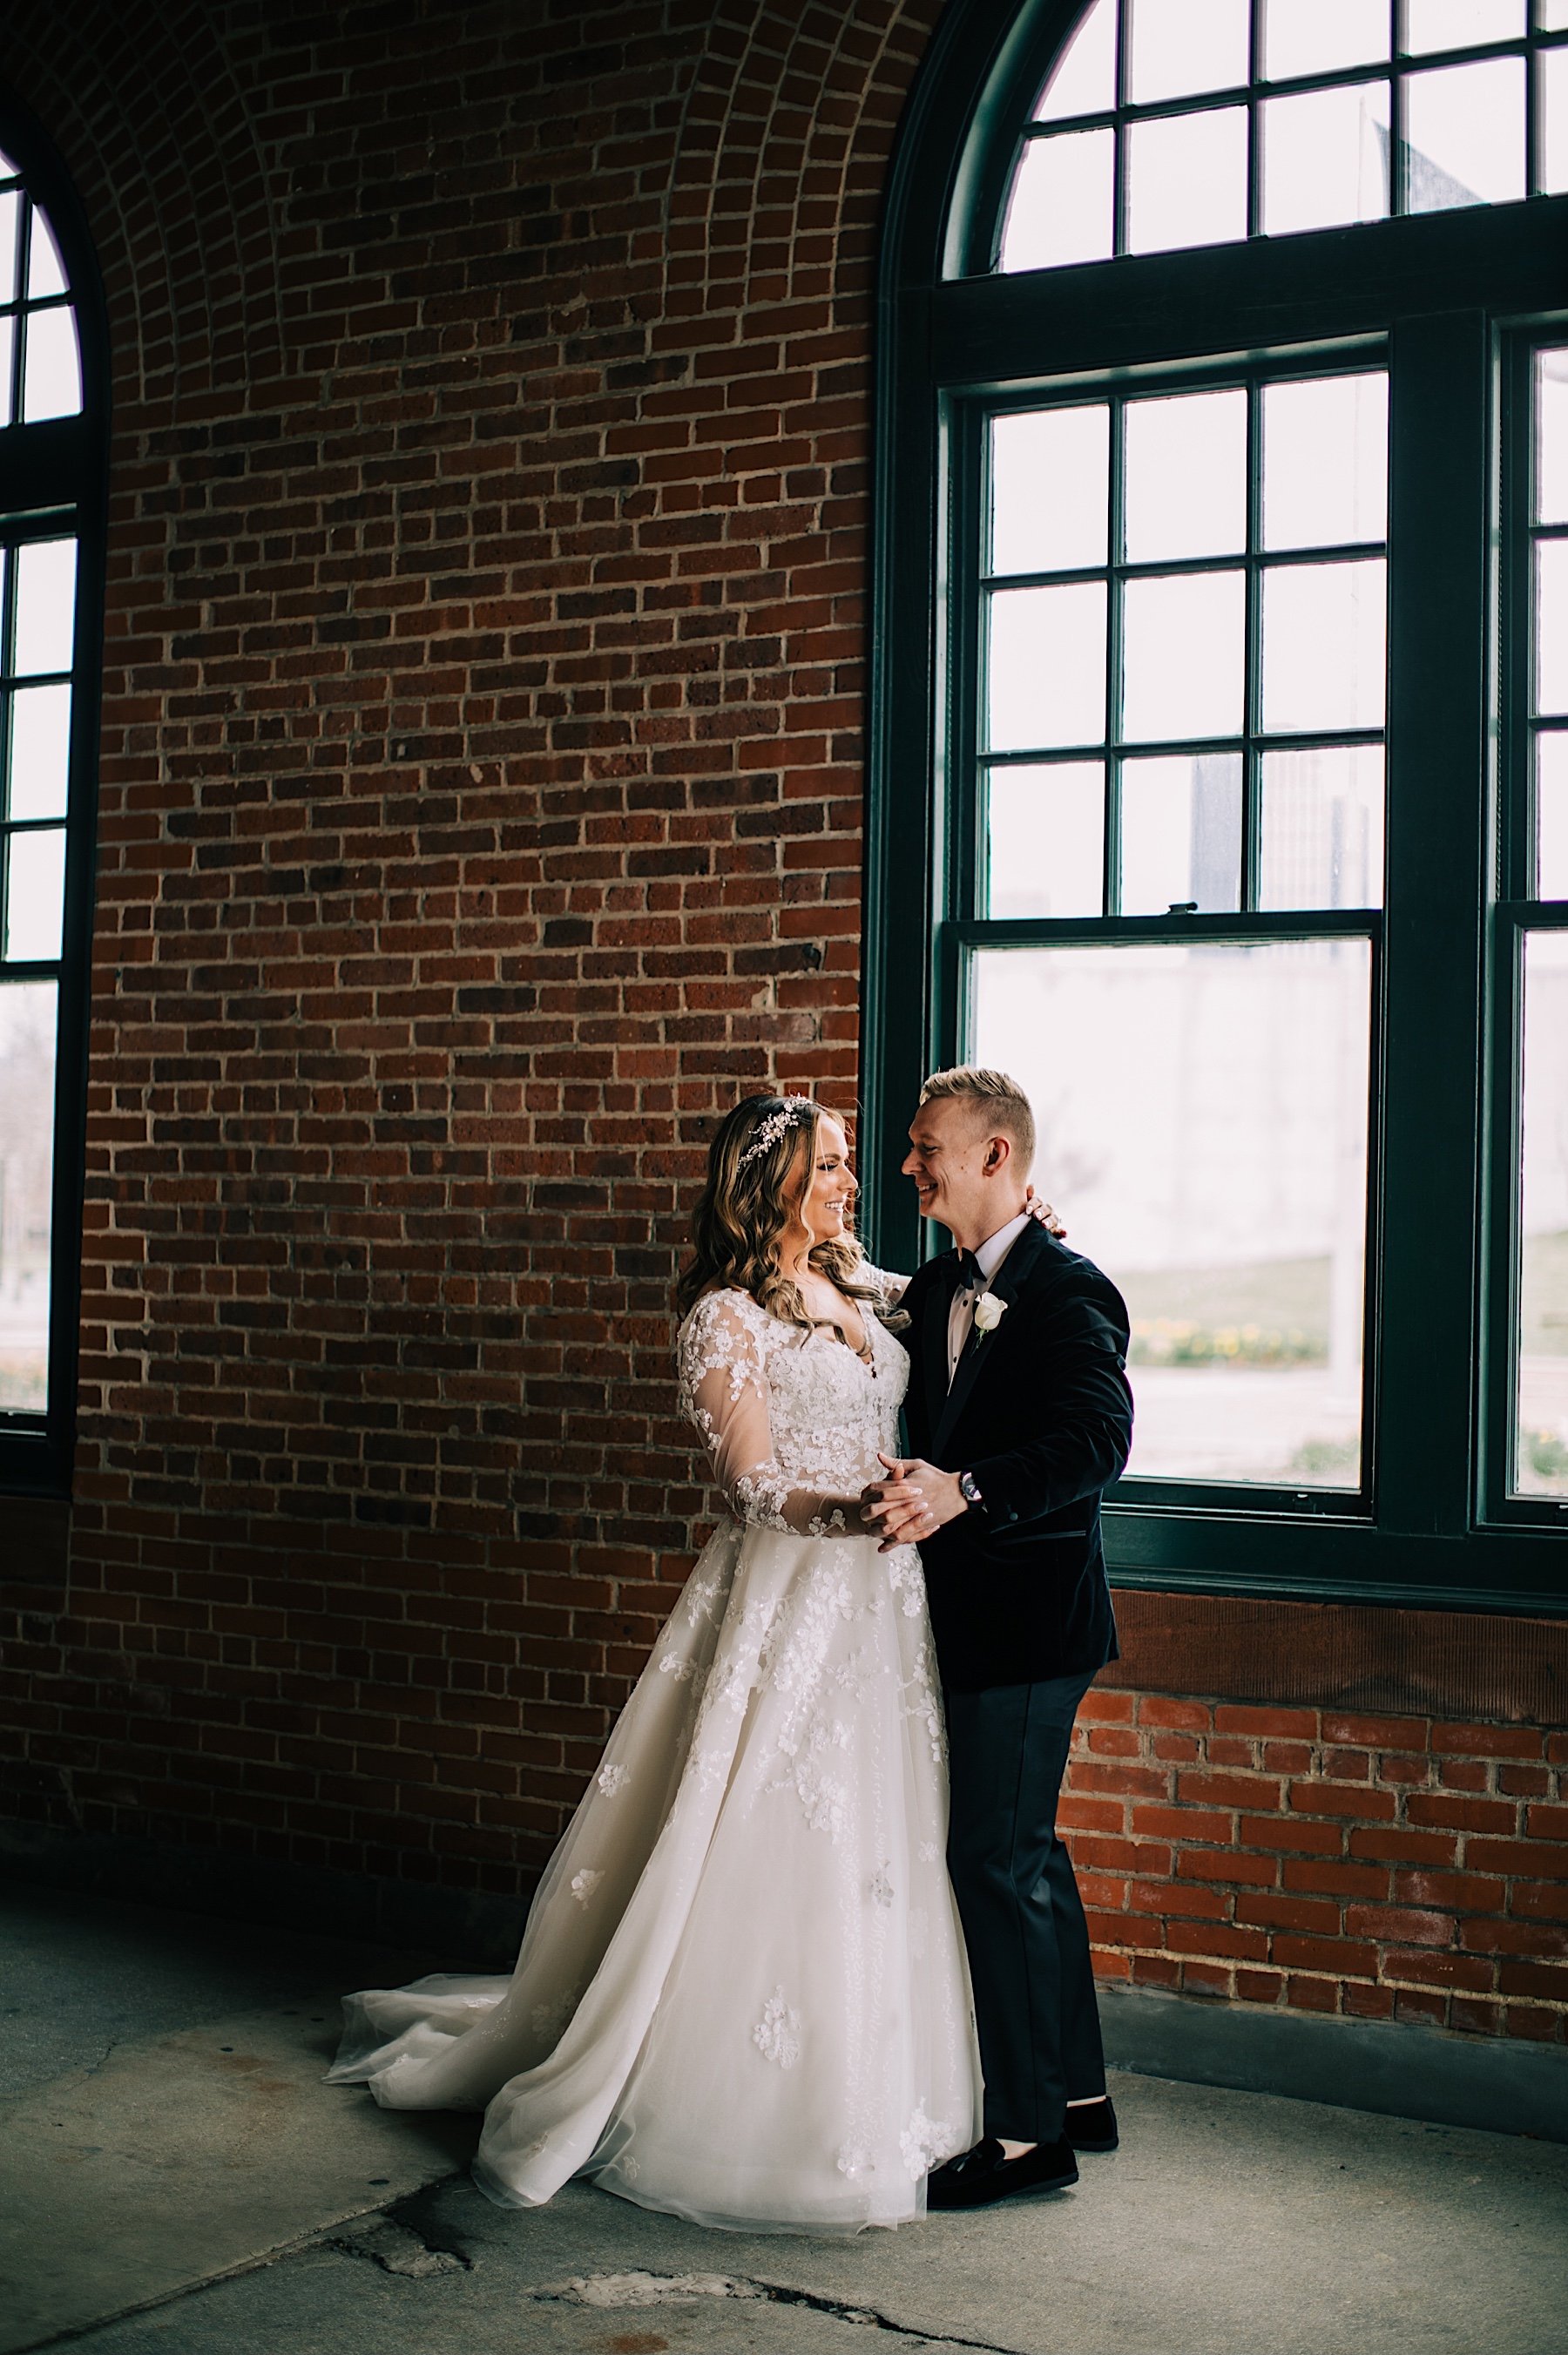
point(1019, 1415)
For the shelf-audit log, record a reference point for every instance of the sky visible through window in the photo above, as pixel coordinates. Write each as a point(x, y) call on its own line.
point(1166, 125)
point(1540, 1338)
point(40, 382)
point(1182, 710)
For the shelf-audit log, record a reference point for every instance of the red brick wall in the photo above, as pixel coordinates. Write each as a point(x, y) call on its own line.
point(481, 810)
point(1386, 1868)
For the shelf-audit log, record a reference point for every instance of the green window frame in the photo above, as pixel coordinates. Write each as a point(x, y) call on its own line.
point(1452, 303)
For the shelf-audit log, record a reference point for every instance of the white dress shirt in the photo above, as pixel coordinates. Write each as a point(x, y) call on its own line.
point(961, 1316)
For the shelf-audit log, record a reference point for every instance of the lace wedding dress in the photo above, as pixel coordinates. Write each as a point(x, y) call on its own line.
point(742, 1997)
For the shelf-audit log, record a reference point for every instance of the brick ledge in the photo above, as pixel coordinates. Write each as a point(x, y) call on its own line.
point(1502, 2084)
point(1456, 1665)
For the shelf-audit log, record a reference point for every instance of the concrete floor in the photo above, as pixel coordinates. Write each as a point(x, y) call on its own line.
point(175, 2180)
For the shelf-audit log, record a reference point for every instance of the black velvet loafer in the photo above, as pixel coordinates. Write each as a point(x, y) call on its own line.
point(1092, 2126)
point(986, 2174)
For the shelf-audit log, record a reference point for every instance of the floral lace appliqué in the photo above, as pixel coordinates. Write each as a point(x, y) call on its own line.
point(550, 2019)
point(583, 1885)
point(613, 1780)
point(777, 2034)
point(906, 1578)
point(792, 1421)
point(700, 1598)
point(924, 2142)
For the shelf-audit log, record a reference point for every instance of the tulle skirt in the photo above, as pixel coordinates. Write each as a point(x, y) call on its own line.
point(742, 1997)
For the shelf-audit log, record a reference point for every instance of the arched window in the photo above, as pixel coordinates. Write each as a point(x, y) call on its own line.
point(52, 527)
point(1220, 747)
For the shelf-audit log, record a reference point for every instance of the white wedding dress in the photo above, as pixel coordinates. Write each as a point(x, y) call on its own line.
point(742, 1997)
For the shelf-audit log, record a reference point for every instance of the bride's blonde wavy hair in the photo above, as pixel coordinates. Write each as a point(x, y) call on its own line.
point(748, 1199)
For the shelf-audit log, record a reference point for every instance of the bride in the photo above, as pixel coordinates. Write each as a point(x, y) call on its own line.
point(741, 1995)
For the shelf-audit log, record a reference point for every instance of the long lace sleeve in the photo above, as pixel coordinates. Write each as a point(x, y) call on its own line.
point(724, 1394)
point(889, 1288)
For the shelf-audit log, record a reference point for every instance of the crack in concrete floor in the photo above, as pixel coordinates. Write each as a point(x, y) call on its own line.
point(642, 2290)
point(383, 2235)
point(390, 2240)
point(386, 2242)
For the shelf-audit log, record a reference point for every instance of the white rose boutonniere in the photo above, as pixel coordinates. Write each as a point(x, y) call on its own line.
point(988, 1312)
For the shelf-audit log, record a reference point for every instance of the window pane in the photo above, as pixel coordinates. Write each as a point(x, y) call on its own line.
point(7, 334)
point(10, 220)
point(1324, 460)
point(1046, 664)
point(1304, 37)
point(1323, 646)
point(1552, 434)
point(1553, 16)
point(1084, 82)
point(1049, 489)
point(1552, 625)
point(1322, 827)
point(52, 371)
point(26, 1180)
point(1325, 158)
point(1178, 49)
point(1462, 24)
point(40, 751)
point(1061, 206)
point(1553, 70)
point(1464, 135)
point(1047, 844)
point(45, 271)
point(1182, 834)
point(1186, 476)
point(1215, 1166)
point(46, 605)
point(1184, 640)
point(1542, 1454)
point(1187, 180)
point(1552, 817)
point(34, 895)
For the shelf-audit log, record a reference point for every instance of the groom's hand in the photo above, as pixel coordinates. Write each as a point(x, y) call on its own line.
point(915, 1500)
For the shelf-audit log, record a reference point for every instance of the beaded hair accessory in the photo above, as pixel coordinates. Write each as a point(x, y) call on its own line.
point(790, 1115)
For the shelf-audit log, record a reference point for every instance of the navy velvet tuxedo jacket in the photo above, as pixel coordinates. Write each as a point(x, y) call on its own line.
point(1040, 1412)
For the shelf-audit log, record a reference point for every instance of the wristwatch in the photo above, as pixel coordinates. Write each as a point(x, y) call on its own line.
point(969, 1490)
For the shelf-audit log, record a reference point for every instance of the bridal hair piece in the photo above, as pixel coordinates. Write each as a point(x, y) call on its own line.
point(759, 1166)
point(790, 1115)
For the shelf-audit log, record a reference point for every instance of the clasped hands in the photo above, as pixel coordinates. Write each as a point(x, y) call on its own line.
point(912, 1503)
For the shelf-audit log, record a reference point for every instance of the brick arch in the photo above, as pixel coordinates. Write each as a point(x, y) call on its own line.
point(148, 114)
point(788, 121)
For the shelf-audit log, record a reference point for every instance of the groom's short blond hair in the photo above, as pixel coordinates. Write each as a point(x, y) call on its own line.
point(997, 1099)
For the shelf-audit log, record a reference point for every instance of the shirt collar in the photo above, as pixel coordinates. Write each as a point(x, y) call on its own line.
point(995, 1248)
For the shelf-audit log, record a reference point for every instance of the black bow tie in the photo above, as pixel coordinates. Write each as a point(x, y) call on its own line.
point(969, 1277)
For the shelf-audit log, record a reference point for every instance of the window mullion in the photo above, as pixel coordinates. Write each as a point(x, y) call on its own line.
point(1115, 591)
point(1437, 864)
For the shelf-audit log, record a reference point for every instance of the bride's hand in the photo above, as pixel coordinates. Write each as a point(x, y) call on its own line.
point(913, 1502)
point(1042, 1213)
